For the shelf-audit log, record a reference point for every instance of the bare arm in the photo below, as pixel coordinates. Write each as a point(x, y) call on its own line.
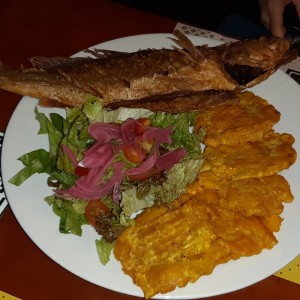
point(271, 12)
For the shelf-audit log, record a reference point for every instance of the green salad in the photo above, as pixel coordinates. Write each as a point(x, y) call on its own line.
point(107, 166)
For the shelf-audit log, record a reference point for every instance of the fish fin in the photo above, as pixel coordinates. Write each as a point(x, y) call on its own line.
point(54, 63)
point(188, 48)
point(102, 53)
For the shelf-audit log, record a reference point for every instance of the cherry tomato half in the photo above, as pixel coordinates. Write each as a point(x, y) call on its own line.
point(144, 121)
point(95, 208)
point(134, 154)
point(146, 145)
point(81, 171)
point(141, 125)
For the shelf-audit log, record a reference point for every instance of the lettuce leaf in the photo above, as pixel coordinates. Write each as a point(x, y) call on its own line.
point(104, 250)
point(146, 194)
point(122, 114)
point(42, 161)
point(72, 131)
point(53, 128)
point(182, 126)
point(36, 161)
point(72, 214)
point(92, 107)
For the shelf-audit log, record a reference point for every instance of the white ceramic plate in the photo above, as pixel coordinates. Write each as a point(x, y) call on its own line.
point(78, 254)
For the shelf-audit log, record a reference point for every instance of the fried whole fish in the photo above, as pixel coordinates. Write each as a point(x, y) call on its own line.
point(118, 76)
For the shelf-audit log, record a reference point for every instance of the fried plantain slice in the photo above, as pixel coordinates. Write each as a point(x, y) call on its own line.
point(246, 236)
point(166, 249)
point(261, 197)
point(248, 119)
point(231, 210)
point(252, 159)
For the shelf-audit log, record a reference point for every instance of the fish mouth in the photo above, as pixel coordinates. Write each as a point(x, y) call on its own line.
point(243, 74)
point(295, 42)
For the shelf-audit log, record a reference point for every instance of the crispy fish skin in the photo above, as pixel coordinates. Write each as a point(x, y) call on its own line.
point(247, 119)
point(50, 89)
point(177, 103)
point(116, 76)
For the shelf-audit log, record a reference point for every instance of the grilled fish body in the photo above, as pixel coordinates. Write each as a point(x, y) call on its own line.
point(118, 76)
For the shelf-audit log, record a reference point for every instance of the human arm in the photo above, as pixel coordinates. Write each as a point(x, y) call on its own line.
point(271, 13)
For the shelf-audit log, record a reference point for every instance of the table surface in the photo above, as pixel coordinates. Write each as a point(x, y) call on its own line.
point(61, 28)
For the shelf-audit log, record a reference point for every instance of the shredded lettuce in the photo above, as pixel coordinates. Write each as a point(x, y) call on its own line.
point(72, 214)
point(131, 203)
point(53, 129)
point(36, 161)
point(104, 250)
point(182, 124)
point(92, 107)
point(72, 132)
point(41, 161)
point(178, 178)
point(121, 114)
point(146, 194)
point(76, 138)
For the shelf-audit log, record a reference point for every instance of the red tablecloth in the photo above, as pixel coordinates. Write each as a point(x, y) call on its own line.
point(59, 27)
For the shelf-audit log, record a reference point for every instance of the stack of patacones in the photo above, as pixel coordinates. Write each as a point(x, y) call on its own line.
point(231, 210)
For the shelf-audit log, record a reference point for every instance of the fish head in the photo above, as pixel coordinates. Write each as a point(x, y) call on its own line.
point(252, 61)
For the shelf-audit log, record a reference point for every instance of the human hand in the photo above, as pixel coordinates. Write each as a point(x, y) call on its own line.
point(271, 13)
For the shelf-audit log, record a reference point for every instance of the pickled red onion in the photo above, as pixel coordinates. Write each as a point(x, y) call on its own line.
point(99, 157)
point(95, 191)
point(169, 159)
point(101, 131)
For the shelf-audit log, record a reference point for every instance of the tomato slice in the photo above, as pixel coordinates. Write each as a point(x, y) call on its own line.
point(81, 171)
point(141, 125)
point(144, 121)
point(96, 208)
point(133, 154)
point(146, 145)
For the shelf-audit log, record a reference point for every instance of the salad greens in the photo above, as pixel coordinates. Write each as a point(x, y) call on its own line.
point(72, 132)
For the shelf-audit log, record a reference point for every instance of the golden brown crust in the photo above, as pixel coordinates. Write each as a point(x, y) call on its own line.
point(232, 209)
point(246, 120)
point(116, 76)
point(265, 157)
point(180, 102)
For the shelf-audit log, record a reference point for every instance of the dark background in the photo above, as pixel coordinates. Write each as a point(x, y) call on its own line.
point(238, 18)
